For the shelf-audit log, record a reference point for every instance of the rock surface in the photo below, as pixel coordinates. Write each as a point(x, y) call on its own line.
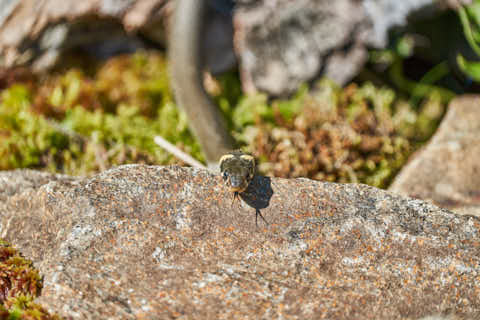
point(281, 45)
point(145, 242)
point(447, 171)
point(36, 32)
point(17, 181)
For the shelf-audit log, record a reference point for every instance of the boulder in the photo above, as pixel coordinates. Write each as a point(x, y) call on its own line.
point(36, 33)
point(150, 242)
point(282, 45)
point(447, 170)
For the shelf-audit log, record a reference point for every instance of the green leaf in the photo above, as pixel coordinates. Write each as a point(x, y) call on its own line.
point(471, 68)
point(474, 12)
point(468, 30)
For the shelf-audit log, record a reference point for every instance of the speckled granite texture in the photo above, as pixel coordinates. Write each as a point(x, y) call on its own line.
point(145, 242)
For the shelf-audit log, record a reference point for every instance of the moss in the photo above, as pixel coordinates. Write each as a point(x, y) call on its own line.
point(20, 283)
point(356, 134)
point(79, 124)
point(26, 139)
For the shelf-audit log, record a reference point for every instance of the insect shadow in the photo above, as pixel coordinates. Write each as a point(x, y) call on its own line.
point(258, 195)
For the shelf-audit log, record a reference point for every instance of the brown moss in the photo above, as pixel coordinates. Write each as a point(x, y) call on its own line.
point(357, 136)
point(17, 275)
point(20, 283)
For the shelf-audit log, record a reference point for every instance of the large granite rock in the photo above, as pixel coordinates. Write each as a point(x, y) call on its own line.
point(447, 171)
point(145, 242)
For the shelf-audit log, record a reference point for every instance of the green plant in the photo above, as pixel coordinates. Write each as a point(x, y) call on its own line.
point(79, 124)
point(470, 19)
point(20, 283)
point(356, 134)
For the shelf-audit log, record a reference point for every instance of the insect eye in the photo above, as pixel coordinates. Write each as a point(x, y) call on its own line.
point(225, 175)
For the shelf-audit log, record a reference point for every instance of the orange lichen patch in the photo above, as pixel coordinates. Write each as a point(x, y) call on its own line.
point(302, 215)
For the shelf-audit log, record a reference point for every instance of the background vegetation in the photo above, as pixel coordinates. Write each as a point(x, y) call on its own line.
point(79, 122)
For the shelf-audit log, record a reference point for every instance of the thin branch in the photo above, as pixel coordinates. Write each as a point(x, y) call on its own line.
point(177, 152)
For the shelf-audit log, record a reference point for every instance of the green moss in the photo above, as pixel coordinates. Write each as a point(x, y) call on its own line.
point(357, 134)
point(79, 124)
point(20, 283)
point(25, 139)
